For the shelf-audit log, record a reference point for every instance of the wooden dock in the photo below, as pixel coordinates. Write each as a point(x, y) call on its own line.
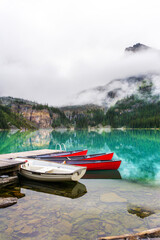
point(8, 161)
point(26, 154)
point(5, 164)
point(10, 166)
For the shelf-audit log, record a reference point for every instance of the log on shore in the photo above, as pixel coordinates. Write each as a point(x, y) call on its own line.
point(8, 181)
point(6, 202)
point(152, 233)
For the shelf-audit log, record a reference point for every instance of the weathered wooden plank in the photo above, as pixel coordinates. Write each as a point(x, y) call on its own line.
point(10, 167)
point(27, 153)
point(8, 181)
point(152, 233)
point(10, 163)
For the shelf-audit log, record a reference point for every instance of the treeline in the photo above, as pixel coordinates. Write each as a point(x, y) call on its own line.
point(131, 112)
point(90, 118)
point(3, 121)
point(134, 113)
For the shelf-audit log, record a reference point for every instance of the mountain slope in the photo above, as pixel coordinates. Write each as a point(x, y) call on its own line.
point(118, 89)
point(43, 116)
point(137, 48)
point(22, 113)
point(8, 119)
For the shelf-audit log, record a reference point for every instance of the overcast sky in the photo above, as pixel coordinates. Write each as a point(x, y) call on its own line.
point(50, 49)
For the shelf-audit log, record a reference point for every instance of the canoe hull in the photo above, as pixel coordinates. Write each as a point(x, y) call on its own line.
point(80, 153)
point(51, 171)
point(44, 177)
point(63, 154)
point(101, 156)
point(93, 165)
point(109, 165)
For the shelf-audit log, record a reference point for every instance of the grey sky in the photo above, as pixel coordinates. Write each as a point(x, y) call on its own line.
point(51, 49)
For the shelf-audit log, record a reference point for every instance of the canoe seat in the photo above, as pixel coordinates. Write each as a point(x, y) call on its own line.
point(46, 170)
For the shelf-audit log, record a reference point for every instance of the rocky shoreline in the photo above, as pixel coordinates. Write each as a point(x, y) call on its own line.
point(4, 182)
point(10, 191)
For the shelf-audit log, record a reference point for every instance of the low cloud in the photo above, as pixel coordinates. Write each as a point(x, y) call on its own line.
point(50, 51)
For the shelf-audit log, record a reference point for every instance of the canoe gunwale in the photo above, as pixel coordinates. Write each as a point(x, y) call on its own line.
point(45, 173)
point(97, 157)
point(62, 154)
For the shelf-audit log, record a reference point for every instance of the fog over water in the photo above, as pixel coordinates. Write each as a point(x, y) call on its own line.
point(50, 50)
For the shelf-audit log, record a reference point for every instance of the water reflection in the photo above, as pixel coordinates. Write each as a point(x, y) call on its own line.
point(11, 191)
point(138, 149)
point(65, 189)
point(110, 207)
point(23, 141)
point(103, 174)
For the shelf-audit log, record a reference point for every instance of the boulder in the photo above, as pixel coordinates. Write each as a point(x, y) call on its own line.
point(6, 202)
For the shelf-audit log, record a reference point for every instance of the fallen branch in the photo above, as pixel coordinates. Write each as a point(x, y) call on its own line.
point(152, 233)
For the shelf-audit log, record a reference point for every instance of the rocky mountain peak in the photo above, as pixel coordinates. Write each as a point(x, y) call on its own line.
point(137, 47)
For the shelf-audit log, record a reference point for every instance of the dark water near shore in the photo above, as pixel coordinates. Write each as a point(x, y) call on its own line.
point(97, 205)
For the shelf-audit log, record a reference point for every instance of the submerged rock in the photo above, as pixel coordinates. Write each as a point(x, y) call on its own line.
point(141, 212)
point(6, 202)
point(11, 191)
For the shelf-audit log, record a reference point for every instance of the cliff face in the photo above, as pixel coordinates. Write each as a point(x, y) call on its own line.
point(73, 112)
point(38, 115)
point(41, 118)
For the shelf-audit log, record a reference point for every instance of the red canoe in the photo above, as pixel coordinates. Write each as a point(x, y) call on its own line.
point(101, 165)
point(62, 154)
point(91, 164)
point(101, 156)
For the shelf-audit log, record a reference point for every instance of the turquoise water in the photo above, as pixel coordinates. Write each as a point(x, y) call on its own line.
point(138, 150)
point(103, 203)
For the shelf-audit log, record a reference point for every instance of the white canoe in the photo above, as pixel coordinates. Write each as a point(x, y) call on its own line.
point(51, 172)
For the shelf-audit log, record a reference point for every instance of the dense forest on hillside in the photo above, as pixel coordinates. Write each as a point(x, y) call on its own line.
point(91, 118)
point(134, 113)
point(9, 119)
point(131, 112)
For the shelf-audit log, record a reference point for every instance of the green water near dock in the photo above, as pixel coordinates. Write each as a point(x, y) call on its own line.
point(104, 203)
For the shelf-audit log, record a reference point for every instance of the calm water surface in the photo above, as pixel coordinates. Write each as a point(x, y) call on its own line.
point(103, 203)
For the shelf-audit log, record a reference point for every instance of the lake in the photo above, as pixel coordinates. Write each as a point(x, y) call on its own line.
point(103, 203)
